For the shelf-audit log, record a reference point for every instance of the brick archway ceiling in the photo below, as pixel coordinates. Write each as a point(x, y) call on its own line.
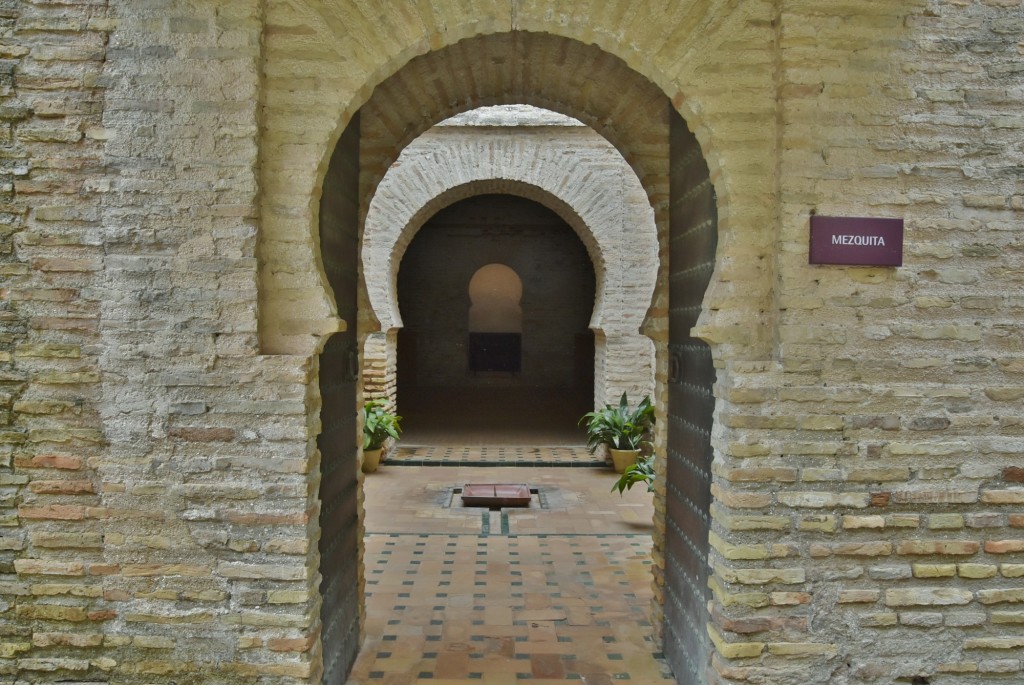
point(587, 195)
point(383, 255)
point(520, 67)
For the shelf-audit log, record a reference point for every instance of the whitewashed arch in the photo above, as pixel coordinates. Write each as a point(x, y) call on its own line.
point(569, 169)
point(593, 189)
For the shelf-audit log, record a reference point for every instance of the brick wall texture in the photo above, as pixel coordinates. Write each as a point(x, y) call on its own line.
point(162, 302)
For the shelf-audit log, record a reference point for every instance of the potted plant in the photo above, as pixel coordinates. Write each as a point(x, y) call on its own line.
point(379, 424)
point(623, 430)
point(641, 471)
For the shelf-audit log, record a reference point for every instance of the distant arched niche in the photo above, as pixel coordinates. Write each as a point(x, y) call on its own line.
point(495, 292)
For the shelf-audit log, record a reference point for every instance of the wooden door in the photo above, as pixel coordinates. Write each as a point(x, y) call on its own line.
point(693, 235)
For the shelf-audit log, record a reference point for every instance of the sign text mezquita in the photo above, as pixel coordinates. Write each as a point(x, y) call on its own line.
point(878, 240)
point(856, 241)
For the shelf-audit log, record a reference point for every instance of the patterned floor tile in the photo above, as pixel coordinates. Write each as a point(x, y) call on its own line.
point(430, 455)
point(551, 594)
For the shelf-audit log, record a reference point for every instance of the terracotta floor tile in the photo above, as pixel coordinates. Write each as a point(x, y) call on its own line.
point(553, 594)
point(546, 666)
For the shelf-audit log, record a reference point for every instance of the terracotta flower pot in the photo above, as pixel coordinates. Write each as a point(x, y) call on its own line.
point(371, 460)
point(623, 458)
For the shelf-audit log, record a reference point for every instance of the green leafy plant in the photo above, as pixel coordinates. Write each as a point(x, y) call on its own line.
point(620, 427)
point(379, 424)
point(641, 471)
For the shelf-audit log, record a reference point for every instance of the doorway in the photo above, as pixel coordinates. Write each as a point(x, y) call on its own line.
point(509, 362)
point(625, 106)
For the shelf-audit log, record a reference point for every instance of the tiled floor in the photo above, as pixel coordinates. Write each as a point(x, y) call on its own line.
point(557, 592)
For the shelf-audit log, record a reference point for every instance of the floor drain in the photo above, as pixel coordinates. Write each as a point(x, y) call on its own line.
point(496, 496)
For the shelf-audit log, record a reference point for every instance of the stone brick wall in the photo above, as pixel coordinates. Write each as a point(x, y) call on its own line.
point(52, 566)
point(141, 540)
point(161, 161)
point(877, 478)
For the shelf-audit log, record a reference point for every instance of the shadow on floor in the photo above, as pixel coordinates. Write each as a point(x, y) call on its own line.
point(492, 416)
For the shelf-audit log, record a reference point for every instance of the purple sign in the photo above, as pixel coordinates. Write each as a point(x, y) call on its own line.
point(854, 240)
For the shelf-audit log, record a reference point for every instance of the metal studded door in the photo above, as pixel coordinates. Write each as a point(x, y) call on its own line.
point(339, 370)
point(693, 226)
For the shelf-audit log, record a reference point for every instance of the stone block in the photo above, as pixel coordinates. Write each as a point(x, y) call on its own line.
point(1001, 595)
point(1004, 546)
point(934, 570)
point(27, 567)
point(823, 499)
point(925, 596)
point(999, 666)
point(1002, 617)
point(1010, 642)
point(735, 650)
point(976, 571)
point(859, 596)
point(938, 547)
point(50, 612)
point(920, 619)
point(945, 521)
point(802, 649)
point(851, 522)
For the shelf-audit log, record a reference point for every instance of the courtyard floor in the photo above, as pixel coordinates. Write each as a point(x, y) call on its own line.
point(554, 592)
